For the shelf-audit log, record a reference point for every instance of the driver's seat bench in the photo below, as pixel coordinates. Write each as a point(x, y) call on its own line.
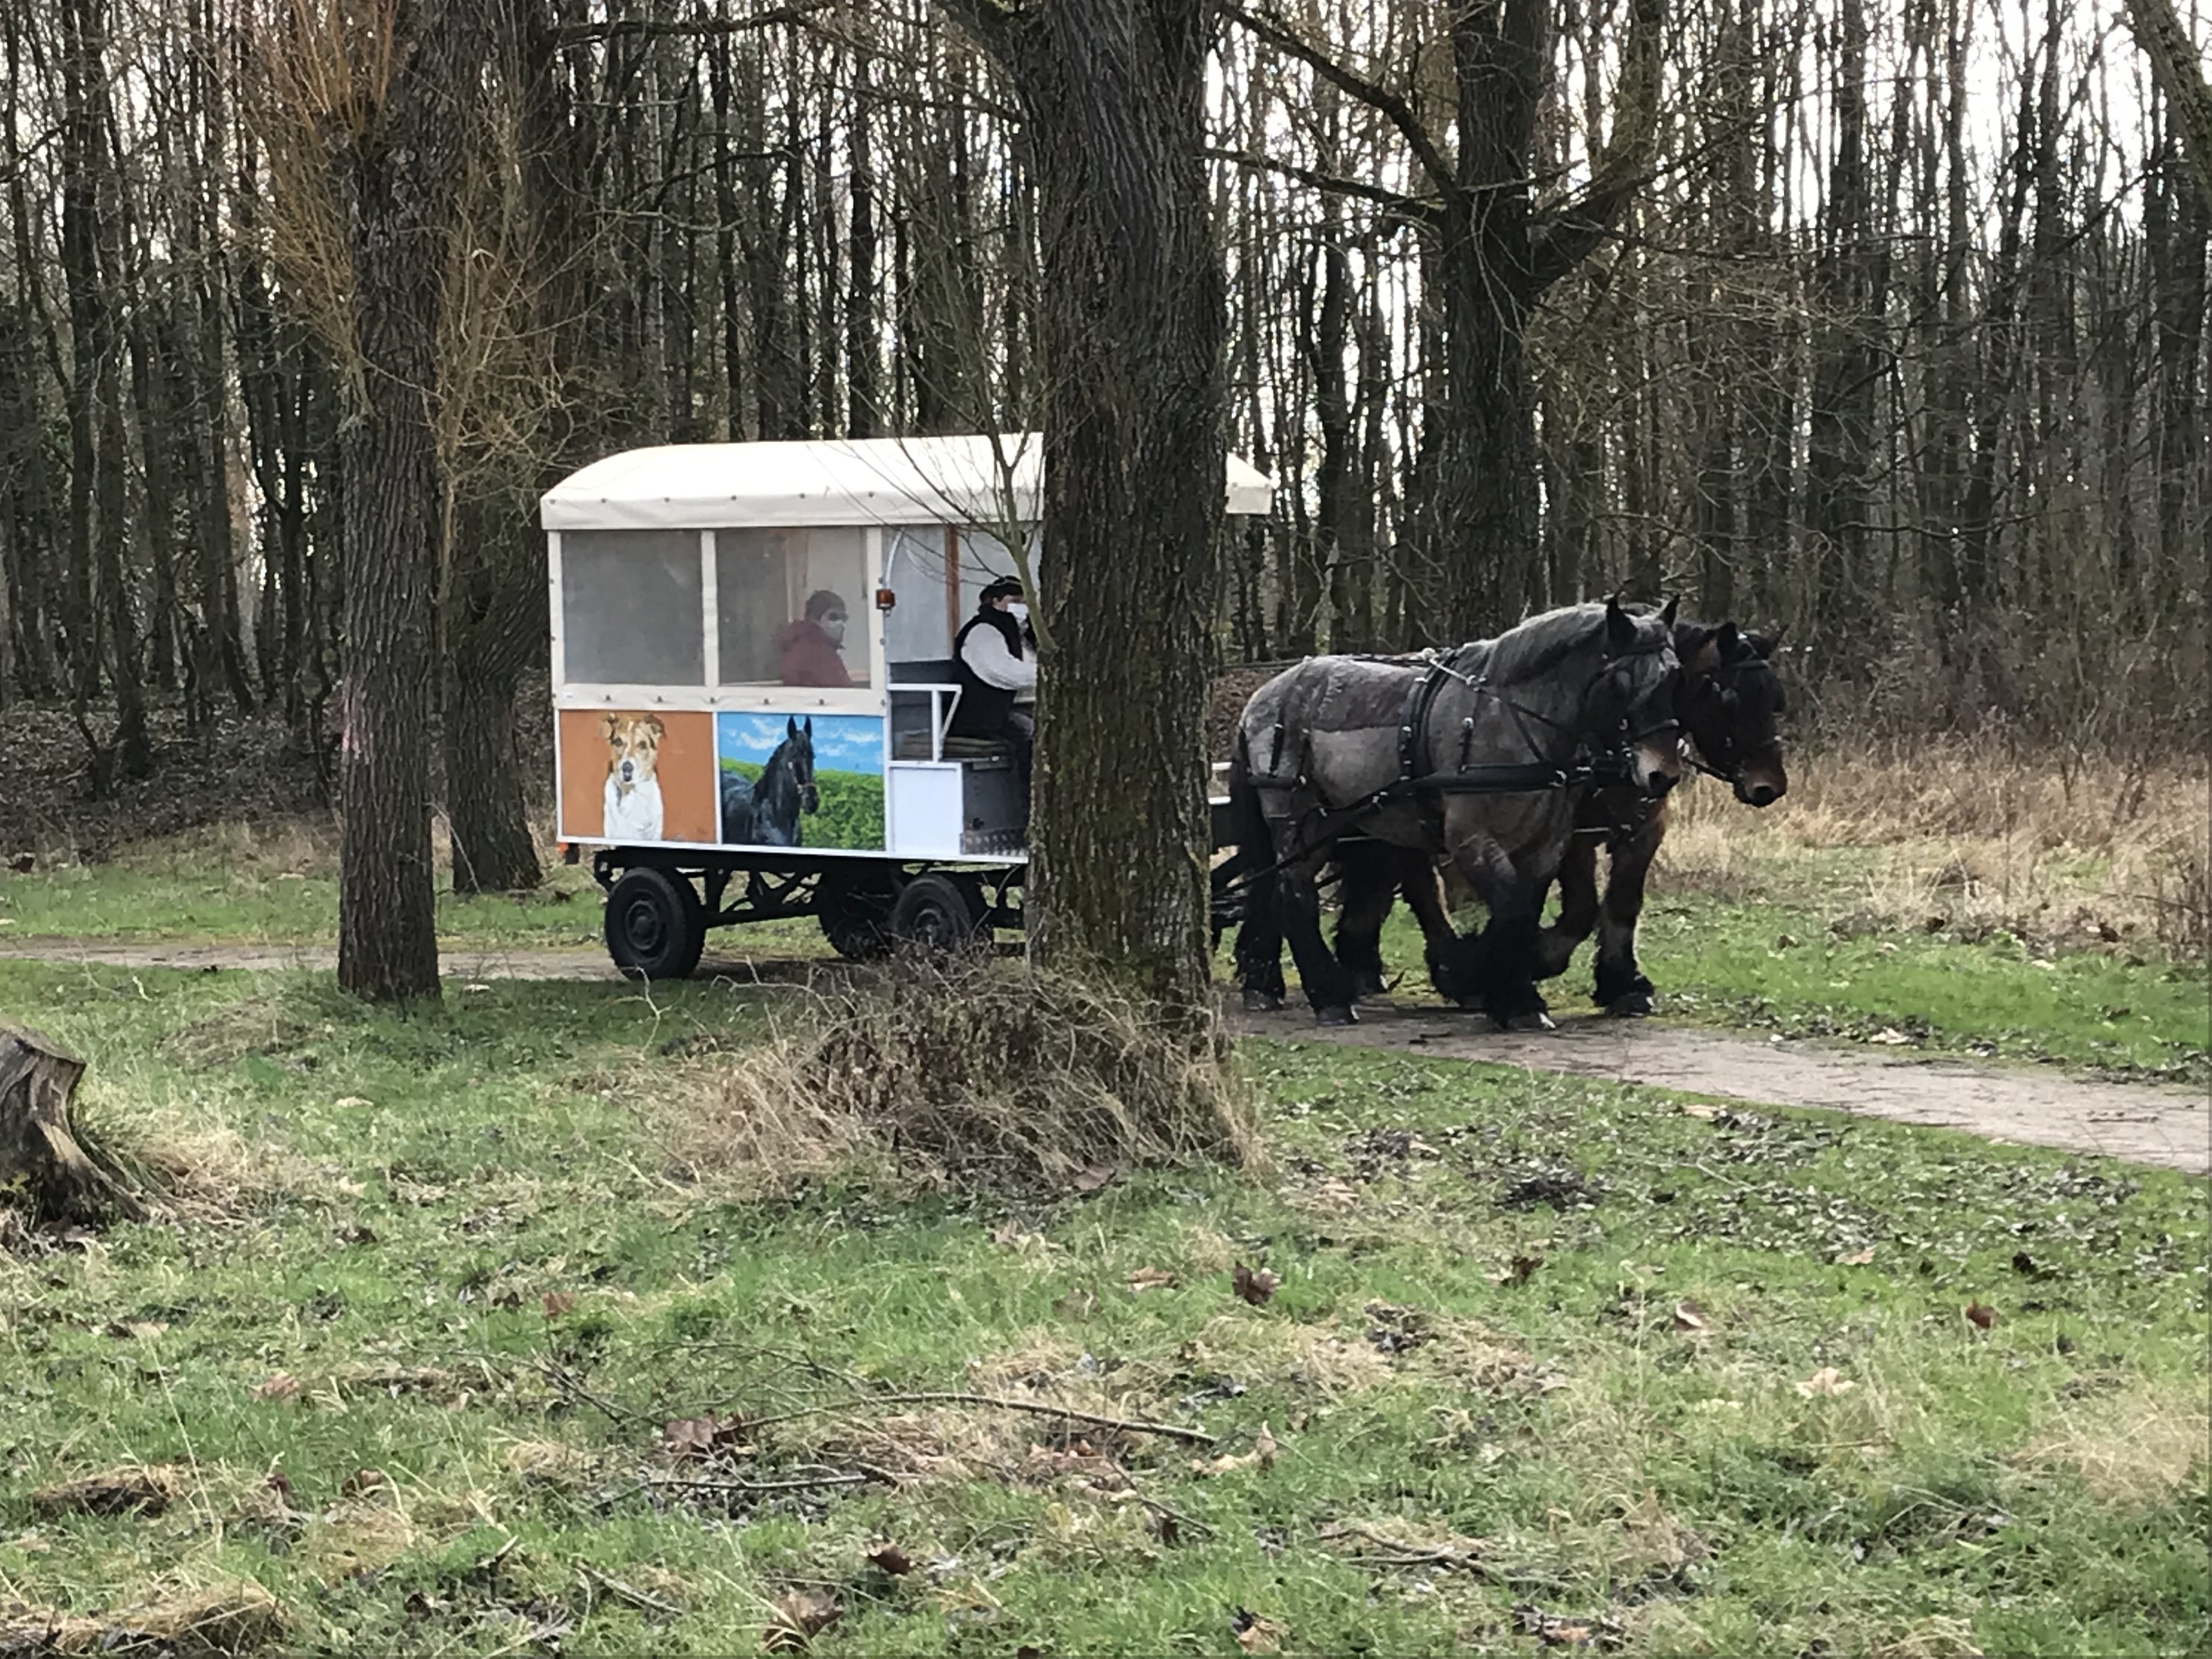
point(915, 746)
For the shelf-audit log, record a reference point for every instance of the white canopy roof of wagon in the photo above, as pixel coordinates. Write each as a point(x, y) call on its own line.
point(842, 480)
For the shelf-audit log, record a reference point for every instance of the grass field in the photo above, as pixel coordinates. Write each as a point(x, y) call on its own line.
point(445, 1351)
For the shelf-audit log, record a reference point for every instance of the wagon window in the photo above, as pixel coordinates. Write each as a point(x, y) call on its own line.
point(793, 606)
point(629, 607)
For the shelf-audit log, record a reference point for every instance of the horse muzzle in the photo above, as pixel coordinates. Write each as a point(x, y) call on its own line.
point(1761, 785)
point(1658, 767)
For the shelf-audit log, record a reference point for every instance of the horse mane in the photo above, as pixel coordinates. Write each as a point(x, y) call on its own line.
point(1538, 644)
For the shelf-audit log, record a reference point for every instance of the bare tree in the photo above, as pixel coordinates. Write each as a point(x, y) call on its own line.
point(1130, 304)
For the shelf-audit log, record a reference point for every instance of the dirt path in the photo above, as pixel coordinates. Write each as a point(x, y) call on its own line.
point(2033, 1106)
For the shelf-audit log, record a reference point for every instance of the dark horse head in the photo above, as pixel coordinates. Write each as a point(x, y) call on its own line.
point(785, 787)
point(1730, 700)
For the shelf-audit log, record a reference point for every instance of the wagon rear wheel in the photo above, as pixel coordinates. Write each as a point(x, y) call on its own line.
point(938, 916)
point(854, 909)
point(655, 925)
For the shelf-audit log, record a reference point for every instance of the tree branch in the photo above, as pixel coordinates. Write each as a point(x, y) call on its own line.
point(1572, 231)
point(1411, 207)
point(1374, 96)
point(657, 28)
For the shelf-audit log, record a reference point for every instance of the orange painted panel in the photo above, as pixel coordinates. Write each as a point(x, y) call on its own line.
point(637, 775)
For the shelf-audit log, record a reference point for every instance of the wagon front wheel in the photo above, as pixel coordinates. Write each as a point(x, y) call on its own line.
point(656, 926)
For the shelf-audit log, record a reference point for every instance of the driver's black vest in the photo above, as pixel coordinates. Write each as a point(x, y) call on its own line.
point(983, 707)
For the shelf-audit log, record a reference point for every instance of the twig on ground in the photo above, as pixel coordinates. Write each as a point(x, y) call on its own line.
point(560, 1377)
point(622, 1592)
point(1035, 1408)
point(757, 1488)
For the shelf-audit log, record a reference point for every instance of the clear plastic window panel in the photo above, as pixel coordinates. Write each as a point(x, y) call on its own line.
point(630, 607)
point(793, 606)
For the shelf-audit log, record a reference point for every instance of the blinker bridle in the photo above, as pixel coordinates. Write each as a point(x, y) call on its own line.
point(1727, 767)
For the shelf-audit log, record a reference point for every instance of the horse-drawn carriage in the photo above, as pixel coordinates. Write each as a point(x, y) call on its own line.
point(755, 691)
point(735, 749)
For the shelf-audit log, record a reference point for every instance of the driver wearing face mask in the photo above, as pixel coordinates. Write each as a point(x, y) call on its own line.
point(996, 660)
point(808, 649)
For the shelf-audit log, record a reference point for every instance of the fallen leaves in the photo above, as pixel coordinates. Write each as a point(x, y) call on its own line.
point(703, 1439)
point(1690, 1321)
point(796, 1620)
point(1254, 1286)
point(280, 1386)
point(1857, 1258)
point(1981, 1315)
point(555, 1303)
point(1517, 1272)
point(1826, 1383)
point(1093, 1179)
point(890, 1560)
point(1150, 1278)
point(1261, 1457)
point(1255, 1634)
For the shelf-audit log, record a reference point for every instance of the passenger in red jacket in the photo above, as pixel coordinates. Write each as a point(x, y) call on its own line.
point(809, 648)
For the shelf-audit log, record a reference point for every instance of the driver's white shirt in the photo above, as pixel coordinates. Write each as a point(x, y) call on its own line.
point(985, 653)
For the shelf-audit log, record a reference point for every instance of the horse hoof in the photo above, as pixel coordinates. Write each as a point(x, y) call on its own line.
point(1535, 1020)
point(1344, 1015)
point(1262, 1002)
point(1370, 985)
point(1635, 1005)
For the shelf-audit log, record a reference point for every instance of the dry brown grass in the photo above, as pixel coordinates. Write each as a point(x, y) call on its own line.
point(2093, 853)
point(2135, 1450)
point(973, 1074)
point(233, 1617)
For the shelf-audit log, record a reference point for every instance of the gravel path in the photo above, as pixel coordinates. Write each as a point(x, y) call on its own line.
point(2036, 1106)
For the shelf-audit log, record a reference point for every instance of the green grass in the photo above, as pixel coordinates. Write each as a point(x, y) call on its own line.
point(412, 1189)
point(851, 813)
point(236, 888)
point(1786, 968)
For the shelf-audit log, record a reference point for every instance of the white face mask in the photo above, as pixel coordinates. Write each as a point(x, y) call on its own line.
point(835, 628)
point(1019, 612)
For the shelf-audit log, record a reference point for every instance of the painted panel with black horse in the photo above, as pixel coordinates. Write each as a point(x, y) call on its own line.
point(1401, 752)
point(765, 812)
point(1729, 701)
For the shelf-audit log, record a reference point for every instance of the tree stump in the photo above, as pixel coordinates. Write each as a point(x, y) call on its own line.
point(39, 1154)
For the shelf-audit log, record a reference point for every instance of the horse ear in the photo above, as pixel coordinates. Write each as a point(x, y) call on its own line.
point(791, 725)
point(1619, 626)
point(1667, 616)
point(810, 728)
point(1729, 640)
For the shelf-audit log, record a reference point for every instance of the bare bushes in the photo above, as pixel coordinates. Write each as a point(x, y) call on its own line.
point(971, 1073)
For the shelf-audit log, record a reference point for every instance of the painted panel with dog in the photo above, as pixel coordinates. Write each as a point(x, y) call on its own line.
point(637, 776)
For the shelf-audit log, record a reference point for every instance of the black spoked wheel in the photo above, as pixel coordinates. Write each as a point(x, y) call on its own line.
point(854, 909)
point(938, 916)
point(656, 926)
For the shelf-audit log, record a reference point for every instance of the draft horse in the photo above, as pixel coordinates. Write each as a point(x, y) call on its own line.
point(1729, 701)
point(1471, 755)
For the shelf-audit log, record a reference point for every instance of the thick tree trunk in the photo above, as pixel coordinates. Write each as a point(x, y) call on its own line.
point(398, 183)
point(492, 851)
point(1132, 309)
point(38, 1149)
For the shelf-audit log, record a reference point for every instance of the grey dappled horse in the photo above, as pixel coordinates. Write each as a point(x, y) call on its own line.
point(1729, 701)
point(1567, 688)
